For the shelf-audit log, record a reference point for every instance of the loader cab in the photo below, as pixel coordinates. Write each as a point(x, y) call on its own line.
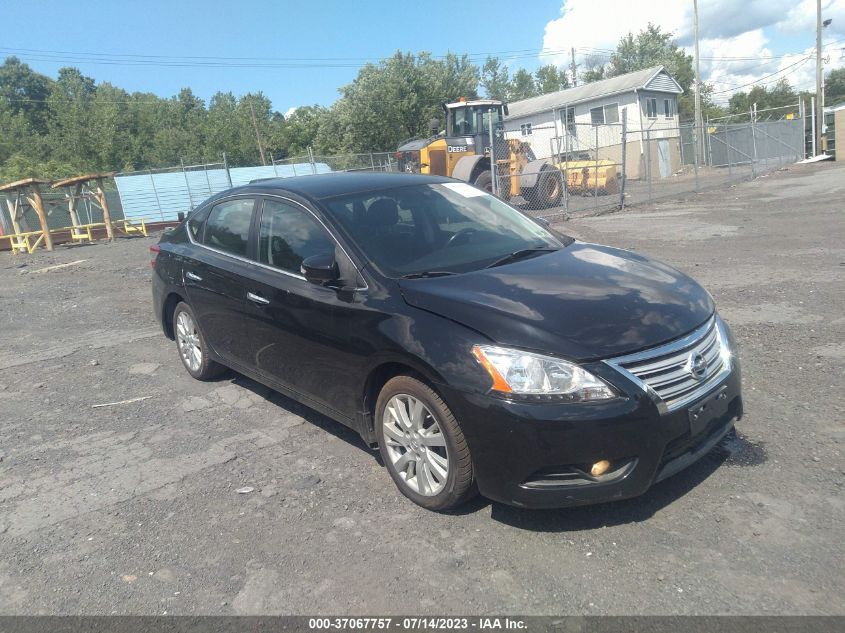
point(472, 119)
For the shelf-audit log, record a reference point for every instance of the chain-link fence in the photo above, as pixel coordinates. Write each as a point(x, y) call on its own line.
point(537, 167)
point(557, 169)
point(551, 167)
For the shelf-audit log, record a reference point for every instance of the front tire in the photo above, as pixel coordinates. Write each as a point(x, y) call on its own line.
point(423, 446)
point(193, 351)
point(485, 181)
point(548, 190)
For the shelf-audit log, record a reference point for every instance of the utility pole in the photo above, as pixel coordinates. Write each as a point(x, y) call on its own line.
point(698, 131)
point(574, 68)
point(257, 134)
point(817, 137)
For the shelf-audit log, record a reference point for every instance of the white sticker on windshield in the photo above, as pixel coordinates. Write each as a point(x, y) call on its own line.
point(464, 189)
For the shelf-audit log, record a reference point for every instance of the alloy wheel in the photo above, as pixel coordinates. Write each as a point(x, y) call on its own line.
point(415, 445)
point(188, 339)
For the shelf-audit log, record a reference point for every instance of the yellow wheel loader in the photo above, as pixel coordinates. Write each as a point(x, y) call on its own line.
point(463, 152)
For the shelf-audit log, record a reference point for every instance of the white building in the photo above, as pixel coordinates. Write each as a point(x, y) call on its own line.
point(587, 120)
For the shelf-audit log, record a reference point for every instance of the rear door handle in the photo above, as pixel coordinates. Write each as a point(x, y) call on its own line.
point(192, 276)
point(257, 299)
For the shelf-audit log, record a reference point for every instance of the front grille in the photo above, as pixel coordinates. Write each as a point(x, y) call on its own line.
point(667, 370)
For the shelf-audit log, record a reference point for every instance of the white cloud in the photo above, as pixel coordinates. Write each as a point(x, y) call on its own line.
point(598, 24)
point(290, 111)
point(801, 18)
point(728, 28)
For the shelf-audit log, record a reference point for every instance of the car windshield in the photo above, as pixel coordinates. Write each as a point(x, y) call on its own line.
point(436, 228)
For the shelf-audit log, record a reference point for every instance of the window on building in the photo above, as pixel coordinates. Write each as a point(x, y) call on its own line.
point(567, 118)
point(668, 110)
point(287, 235)
point(525, 128)
point(605, 114)
point(570, 122)
point(227, 228)
point(651, 108)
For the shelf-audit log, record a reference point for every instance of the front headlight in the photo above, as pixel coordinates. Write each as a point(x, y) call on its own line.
point(526, 374)
point(725, 351)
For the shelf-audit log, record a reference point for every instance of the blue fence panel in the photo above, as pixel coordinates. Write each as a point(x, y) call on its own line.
point(162, 196)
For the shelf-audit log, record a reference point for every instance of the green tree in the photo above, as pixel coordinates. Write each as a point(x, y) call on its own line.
point(834, 87)
point(25, 92)
point(522, 86)
point(255, 111)
point(300, 129)
point(594, 69)
point(69, 119)
point(649, 48)
point(109, 128)
point(223, 128)
point(395, 99)
point(779, 95)
point(550, 78)
point(495, 79)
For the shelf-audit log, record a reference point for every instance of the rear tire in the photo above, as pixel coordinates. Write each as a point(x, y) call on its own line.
point(423, 446)
point(548, 190)
point(192, 348)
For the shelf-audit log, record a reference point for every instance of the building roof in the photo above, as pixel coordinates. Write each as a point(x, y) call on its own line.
point(472, 102)
point(657, 79)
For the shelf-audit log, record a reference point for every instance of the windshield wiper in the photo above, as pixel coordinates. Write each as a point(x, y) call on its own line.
point(428, 273)
point(524, 252)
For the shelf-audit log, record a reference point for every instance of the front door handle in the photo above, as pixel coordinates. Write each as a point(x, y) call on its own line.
point(257, 299)
point(192, 276)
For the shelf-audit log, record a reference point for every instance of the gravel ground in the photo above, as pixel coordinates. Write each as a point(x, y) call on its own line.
point(134, 508)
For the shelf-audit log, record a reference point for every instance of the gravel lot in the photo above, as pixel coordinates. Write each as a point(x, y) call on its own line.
point(134, 509)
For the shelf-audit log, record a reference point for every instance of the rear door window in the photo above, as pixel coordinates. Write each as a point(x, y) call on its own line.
point(227, 227)
point(288, 234)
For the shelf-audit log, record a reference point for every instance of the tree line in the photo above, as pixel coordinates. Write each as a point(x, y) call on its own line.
point(71, 124)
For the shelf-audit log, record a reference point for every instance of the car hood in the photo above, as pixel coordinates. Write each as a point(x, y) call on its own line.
point(582, 302)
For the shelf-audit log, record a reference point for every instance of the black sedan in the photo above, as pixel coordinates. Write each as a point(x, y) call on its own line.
point(476, 347)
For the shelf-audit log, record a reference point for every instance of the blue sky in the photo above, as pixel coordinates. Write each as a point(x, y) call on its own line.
point(310, 28)
point(743, 40)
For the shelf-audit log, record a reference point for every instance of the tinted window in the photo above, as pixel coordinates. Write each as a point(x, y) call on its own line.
point(287, 235)
point(195, 221)
point(444, 227)
point(227, 227)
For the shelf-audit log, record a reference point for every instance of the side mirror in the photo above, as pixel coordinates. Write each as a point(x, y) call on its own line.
point(320, 269)
point(434, 126)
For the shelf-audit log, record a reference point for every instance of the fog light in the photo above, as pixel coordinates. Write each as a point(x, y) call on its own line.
point(600, 468)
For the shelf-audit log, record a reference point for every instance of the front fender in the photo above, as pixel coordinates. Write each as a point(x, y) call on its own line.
point(465, 167)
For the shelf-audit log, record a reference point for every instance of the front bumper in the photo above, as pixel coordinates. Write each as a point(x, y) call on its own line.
point(538, 455)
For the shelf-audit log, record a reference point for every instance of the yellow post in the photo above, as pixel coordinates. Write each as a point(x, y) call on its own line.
point(13, 213)
point(72, 197)
point(38, 204)
point(104, 205)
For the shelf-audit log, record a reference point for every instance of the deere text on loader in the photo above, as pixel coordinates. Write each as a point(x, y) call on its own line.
point(463, 152)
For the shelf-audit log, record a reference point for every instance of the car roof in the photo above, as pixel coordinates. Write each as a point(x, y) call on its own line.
point(321, 186)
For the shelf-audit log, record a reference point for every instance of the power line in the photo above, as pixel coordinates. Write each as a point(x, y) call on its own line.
point(760, 80)
point(220, 61)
